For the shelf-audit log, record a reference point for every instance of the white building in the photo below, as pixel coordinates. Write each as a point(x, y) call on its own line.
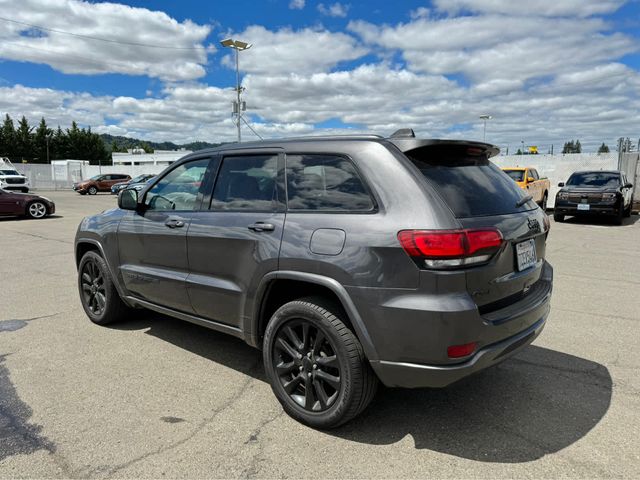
point(159, 157)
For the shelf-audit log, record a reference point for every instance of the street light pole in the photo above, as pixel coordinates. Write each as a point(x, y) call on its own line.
point(238, 46)
point(485, 117)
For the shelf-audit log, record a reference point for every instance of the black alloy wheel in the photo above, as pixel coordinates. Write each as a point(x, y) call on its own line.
point(307, 365)
point(94, 293)
point(315, 363)
point(98, 294)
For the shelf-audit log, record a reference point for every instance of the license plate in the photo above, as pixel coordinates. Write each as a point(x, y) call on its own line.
point(526, 254)
point(584, 206)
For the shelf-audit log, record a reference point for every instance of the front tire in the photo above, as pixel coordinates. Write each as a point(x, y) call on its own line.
point(92, 190)
point(619, 218)
point(98, 294)
point(627, 212)
point(315, 364)
point(25, 190)
point(37, 210)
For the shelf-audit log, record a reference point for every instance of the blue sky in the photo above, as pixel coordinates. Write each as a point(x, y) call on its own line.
point(546, 71)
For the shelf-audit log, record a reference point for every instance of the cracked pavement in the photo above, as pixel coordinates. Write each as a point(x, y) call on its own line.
point(155, 397)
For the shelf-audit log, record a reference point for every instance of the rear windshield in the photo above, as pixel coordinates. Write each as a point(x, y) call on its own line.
point(594, 179)
point(517, 175)
point(471, 186)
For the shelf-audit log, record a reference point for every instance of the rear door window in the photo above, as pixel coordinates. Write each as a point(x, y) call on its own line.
point(327, 183)
point(247, 183)
point(469, 184)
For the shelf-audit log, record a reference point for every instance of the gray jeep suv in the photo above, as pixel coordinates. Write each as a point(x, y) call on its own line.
point(347, 260)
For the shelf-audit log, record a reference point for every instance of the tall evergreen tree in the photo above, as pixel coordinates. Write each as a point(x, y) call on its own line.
point(8, 147)
point(603, 148)
point(40, 140)
point(24, 142)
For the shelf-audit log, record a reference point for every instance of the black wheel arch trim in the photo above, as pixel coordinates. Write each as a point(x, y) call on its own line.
point(252, 324)
point(114, 277)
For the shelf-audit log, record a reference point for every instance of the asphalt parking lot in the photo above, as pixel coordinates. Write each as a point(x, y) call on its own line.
point(155, 397)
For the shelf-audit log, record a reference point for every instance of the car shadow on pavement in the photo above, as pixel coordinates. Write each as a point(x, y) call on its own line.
point(533, 404)
point(600, 220)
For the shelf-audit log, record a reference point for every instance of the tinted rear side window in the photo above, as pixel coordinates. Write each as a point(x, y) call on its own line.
point(246, 183)
point(471, 186)
point(325, 183)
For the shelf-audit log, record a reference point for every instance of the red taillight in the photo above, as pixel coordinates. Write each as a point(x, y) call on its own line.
point(459, 351)
point(451, 248)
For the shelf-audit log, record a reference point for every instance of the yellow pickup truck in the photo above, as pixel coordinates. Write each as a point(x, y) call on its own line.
point(528, 179)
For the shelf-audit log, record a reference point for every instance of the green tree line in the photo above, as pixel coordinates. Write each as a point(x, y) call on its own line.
point(26, 143)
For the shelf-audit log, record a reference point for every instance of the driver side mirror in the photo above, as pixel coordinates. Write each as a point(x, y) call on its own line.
point(561, 184)
point(128, 199)
point(628, 185)
point(530, 179)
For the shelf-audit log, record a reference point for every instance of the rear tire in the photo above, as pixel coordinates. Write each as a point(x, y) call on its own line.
point(92, 190)
point(315, 364)
point(558, 217)
point(98, 294)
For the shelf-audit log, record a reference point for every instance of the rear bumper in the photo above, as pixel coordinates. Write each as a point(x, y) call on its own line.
point(413, 375)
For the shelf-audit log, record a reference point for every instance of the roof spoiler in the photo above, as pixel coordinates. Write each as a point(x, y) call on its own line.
point(405, 139)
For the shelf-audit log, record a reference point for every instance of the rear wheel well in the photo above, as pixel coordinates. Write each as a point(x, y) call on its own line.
point(83, 248)
point(279, 292)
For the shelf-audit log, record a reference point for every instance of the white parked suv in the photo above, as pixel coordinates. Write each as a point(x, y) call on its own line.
point(10, 179)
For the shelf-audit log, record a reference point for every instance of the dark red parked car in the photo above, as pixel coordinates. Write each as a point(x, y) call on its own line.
point(25, 204)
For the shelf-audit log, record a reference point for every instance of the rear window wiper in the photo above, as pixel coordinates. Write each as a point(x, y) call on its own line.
point(523, 200)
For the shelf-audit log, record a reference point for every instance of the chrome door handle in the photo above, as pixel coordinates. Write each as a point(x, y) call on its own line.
point(173, 223)
point(262, 227)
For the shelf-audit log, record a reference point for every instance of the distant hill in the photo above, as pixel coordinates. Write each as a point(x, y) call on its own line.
point(125, 143)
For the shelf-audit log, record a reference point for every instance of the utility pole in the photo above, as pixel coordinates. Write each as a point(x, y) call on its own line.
point(238, 106)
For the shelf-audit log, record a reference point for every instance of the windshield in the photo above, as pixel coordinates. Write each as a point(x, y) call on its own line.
point(594, 180)
point(516, 175)
point(9, 172)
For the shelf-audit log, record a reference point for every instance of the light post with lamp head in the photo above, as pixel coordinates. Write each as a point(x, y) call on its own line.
point(238, 46)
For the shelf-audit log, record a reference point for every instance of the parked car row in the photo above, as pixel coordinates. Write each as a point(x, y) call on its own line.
point(599, 192)
point(137, 183)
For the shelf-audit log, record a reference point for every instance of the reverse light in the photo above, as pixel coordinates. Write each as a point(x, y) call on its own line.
point(459, 351)
point(442, 249)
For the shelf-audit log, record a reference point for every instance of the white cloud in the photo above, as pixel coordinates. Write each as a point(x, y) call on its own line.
point(297, 4)
point(334, 10)
point(490, 47)
point(139, 41)
point(304, 51)
point(544, 85)
point(547, 8)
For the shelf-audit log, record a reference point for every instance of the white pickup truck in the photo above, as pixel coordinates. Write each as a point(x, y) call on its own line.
point(10, 179)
